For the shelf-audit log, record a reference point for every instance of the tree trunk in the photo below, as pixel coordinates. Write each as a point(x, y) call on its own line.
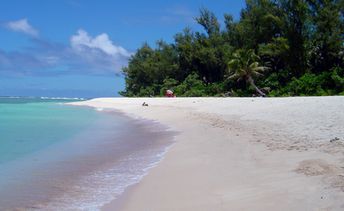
point(251, 81)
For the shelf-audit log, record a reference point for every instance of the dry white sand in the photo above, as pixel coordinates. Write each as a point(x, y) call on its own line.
point(242, 154)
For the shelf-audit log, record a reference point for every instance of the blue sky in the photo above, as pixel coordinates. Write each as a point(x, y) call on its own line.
point(76, 48)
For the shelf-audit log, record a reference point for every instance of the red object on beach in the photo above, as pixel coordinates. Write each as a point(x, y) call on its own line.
point(169, 93)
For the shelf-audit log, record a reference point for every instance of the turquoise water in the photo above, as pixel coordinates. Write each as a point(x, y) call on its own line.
point(59, 157)
point(28, 125)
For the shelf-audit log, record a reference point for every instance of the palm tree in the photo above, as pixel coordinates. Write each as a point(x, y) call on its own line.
point(245, 65)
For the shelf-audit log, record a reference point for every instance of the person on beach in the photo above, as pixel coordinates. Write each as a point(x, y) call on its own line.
point(169, 93)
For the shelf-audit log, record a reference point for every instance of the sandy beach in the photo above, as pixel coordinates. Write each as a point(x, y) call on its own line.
point(241, 154)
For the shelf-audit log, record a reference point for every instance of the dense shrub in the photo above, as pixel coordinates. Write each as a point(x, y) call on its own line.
point(326, 83)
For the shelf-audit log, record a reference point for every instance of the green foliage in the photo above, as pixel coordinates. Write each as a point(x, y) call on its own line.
point(308, 84)
point(192, 86)
point(326, 83)
point(338, 79)
point(245, 66)
point(169, 84)
point(260, 23)
point(215, 89)
point(209, 22)
point(327, 39)
point(147, 91)
point(294, 46)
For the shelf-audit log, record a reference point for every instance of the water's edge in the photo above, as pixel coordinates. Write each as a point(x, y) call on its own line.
point(116, 201)
point(88, 170)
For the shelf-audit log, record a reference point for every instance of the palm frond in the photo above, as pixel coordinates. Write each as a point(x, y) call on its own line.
point(260, 69)
point(244, 63)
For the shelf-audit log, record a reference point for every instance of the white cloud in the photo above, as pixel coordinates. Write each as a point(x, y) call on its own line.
point(101, 42)
point(84, 55)
point(22, 26)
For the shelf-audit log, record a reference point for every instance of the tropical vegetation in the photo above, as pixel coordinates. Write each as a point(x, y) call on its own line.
point(276, 48)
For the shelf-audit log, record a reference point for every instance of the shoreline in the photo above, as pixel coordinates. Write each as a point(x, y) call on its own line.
point(87, 168)
point(241, 153)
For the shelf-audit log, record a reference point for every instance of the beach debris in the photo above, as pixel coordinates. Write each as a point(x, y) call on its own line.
point(144, 104)
point(334, 139)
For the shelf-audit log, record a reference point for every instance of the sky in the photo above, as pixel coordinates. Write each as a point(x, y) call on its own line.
point(77, 48)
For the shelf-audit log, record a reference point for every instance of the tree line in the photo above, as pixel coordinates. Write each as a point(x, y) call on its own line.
point(276, 48)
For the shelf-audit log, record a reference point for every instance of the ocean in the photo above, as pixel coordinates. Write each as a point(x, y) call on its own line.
point(59, 157)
